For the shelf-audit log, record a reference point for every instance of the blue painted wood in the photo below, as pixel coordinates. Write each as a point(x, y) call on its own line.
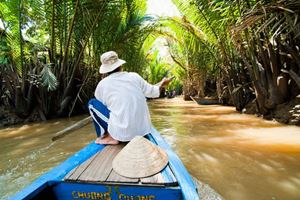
point(66, 191)
point(57, 173)
point(184, 179)
point(54, 177)
point(169, 176)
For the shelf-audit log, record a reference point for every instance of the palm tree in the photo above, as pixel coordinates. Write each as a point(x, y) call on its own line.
point(274, 36)
point(252, 41)
point(78, 32)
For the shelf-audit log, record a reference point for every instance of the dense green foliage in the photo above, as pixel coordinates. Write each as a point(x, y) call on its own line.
point(252, 47)
point(71, 35)
point(50, 50)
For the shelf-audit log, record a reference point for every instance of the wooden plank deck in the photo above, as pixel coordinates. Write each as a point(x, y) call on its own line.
point(98, 169)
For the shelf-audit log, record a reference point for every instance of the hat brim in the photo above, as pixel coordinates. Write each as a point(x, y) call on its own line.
point(106, 68)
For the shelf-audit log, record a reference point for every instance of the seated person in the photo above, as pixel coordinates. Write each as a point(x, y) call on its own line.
point(120, 110)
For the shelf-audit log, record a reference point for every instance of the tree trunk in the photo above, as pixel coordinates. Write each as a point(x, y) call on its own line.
point(261, 93)
point(21, 104)
point(294, 76)
point(282, 83)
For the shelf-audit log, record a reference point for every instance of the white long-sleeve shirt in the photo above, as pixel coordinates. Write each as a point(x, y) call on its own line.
point(124, 95)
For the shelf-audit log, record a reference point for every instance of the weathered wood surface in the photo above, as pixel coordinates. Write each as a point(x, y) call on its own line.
point(98, 169)
point(77, 171)
point(115, 177)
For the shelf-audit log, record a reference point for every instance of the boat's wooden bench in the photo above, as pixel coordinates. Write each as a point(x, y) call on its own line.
point(98, 169)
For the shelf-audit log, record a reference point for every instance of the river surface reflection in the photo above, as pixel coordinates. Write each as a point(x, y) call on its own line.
point(242, 157)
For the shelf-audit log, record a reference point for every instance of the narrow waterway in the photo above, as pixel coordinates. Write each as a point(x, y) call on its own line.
point(242, 157)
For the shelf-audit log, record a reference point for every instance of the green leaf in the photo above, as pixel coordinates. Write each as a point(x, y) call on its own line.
point(49, 80)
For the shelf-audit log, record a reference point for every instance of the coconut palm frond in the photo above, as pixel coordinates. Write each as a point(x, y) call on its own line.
point(12, 13)
point(49, 80)
point(275, 17)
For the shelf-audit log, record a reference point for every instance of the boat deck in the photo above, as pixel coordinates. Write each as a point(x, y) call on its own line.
point(98, 169)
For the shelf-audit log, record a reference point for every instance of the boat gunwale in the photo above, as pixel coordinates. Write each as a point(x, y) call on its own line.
point(125, 184)
point(184, 179)
point(57, 174)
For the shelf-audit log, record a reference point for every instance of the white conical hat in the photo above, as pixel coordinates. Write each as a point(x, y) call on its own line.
point(140, 158)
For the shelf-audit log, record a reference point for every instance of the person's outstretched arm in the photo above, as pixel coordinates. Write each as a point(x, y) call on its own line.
point(164, 83)
point(149, 90)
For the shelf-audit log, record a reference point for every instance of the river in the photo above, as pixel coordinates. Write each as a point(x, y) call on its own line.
point(242, 157)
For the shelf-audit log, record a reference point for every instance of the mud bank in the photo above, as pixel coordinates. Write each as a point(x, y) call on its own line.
point(286, 113)
point(8, 118)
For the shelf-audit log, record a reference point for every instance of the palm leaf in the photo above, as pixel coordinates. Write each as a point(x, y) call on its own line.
point(49, 80)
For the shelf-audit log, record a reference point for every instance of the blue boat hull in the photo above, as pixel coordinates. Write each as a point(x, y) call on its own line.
point(65, 190)
point(52, 186)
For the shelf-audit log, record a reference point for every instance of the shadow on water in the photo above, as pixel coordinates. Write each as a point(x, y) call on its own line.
point(242, 157)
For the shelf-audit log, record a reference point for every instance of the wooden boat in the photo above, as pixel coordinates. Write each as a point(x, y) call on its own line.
point(205, 101)
point(88, 174)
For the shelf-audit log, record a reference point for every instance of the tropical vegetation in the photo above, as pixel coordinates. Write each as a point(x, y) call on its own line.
point(52, 50)
point(253, 48)
point(241, 52)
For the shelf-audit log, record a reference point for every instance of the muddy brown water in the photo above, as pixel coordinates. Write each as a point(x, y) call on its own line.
point(241, 157)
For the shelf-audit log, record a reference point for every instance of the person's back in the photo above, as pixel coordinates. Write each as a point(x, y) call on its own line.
point(124, 95)
point(120, 110)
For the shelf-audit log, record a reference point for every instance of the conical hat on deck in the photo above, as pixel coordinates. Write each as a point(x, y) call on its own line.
point(140, 158)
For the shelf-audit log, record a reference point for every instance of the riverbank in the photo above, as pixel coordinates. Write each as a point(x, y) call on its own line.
point(8, 118)
point(286, 113)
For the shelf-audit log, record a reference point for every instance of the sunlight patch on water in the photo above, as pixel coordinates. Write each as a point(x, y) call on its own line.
point(271, 136)
point(289, 186)
point(208, 158)
point(16, 131)
point(266, 167)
